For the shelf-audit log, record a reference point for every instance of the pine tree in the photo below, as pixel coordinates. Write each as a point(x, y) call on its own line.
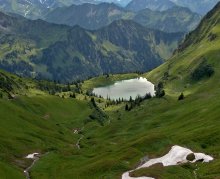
point(181, 97)
point(126, 107)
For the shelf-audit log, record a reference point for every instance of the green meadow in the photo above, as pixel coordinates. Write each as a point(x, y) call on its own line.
point(34, 121)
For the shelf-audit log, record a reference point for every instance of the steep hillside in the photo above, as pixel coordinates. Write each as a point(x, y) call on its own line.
point(200, 46)
point(158, 124)
point(72, 145)
point(42, 50)
point(193, 71)
point(22, 39)
point(10, 85)
point(120, 47)
point(37, 120)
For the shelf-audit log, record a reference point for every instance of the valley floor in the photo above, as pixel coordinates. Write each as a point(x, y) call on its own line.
point(45, 123)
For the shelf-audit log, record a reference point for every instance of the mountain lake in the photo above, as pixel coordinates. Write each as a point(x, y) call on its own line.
point(126, 89)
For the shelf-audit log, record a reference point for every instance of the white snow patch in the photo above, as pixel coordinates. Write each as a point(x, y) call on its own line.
point(32, 156)
point(177, 155)
point(201, 156)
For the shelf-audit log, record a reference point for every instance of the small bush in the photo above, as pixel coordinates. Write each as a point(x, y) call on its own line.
point(181, 97)
point(212, 37)
point(162, 94)
point(204, 146)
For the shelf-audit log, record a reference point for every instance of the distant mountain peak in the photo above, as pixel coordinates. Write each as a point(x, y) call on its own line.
point(68, 53)
point(158, 5)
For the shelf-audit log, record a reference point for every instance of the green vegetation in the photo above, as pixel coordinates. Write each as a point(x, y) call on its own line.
point(158, 171)
point(97, 114)
point(42, 50)
point(181, 97)
point(35, 121)
point(160, 92)
point(202, 71)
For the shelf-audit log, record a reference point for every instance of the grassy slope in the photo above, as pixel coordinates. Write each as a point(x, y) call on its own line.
point(150, 129)
point(153, 127)
point(40, 123)
point(147, 130)
point(194, 122)
point(34, 121)
point(108, 151)
point(158, 123)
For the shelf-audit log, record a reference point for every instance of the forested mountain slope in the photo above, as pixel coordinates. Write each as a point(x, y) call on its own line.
point(48, 51)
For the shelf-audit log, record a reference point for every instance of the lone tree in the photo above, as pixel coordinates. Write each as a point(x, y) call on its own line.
point(162, 94)
point(126, 107)
point(159, 90)
point(181, 97)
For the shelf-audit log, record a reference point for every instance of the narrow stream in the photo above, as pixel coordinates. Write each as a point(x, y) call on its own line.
point(27, 170)
point(35, 157)
point(78, 142)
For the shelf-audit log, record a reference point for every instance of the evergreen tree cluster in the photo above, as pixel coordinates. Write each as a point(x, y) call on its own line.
point(53, 87)
point(204, 70)
point(159, 88)
point(136, 102)
point(97, 114)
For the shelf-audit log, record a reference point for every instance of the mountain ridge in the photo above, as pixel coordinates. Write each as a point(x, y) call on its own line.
point(176, 19)
point(45, 49)
point(62, 123)
point(137, 5)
